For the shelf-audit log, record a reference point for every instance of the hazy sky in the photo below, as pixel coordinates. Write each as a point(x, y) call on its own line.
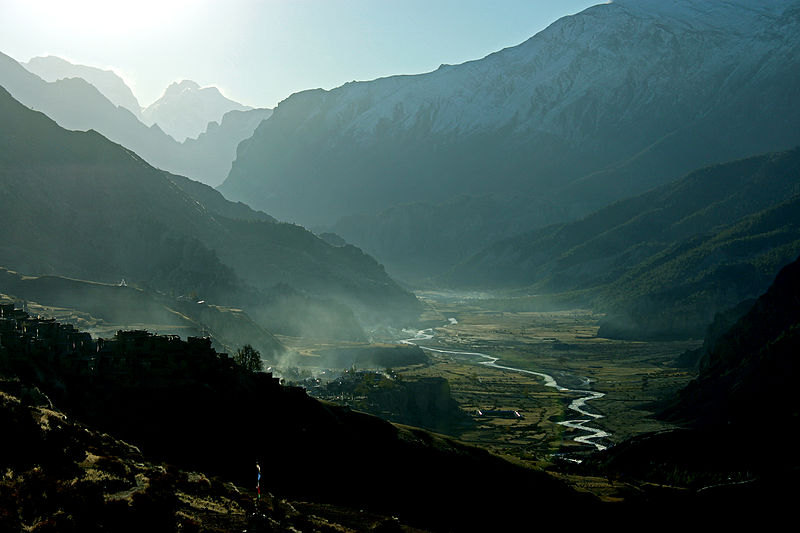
point(259, 52)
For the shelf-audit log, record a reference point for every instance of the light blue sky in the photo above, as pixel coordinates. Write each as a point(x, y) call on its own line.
point(259, 52)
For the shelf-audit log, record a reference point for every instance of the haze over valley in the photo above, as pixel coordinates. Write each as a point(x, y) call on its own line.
point(566, 271)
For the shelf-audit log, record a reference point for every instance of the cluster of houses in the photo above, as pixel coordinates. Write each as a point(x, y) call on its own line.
point(127, 354)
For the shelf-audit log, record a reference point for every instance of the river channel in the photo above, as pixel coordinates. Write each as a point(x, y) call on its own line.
point(578, 405)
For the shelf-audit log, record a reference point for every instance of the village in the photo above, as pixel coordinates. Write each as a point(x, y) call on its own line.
point(128, 356)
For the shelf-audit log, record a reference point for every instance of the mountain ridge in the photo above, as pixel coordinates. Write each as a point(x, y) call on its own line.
point(76, 104)
point(743, 391)
point(185, 109)
point(573, 101)
point(110, 85)
point(746, 373)
point(91, 209)
point(680, 252)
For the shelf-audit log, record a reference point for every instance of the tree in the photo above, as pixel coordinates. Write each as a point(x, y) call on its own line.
point(248, 358)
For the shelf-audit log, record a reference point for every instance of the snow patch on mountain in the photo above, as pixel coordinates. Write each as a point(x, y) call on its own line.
point(535, 85)
point(185, 109)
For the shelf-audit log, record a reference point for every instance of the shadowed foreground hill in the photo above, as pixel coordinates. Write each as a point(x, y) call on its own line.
point(196, 409)
point(663, 263)
point(740, 414)
point(60, 475)
point(748, 375)
point(78, 205)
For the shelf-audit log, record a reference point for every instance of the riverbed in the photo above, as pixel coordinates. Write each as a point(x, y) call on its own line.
point(590, 434)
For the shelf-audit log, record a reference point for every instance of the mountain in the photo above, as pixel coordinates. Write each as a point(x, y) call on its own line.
point(215, 202)
point(747, 375)
point(94, 482)
point(723, 321)
point(424, 239)
point(208, 158)
point(662, 263)
point(80, 206)
point(743, 394)
point(52, 68)
point(77, 105)
point(184, 110)
point(601, 105)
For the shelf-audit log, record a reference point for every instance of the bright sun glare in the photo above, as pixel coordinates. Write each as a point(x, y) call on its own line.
point(112, 18)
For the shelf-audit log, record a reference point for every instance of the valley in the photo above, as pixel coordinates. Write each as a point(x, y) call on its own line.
point(633, 375)
point(560, 275)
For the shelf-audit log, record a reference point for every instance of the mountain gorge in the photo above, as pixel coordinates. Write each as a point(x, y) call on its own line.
point(208, 158)
point(577, 116)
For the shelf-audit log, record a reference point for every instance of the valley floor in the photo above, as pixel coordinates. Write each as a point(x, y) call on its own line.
point(563, 344)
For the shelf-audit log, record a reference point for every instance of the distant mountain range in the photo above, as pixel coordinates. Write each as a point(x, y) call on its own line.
point(601, 105)
point(81, 206)
point(662, 263)
point(52, 68)
point(76, 104)
point(208, 158)
point(185, 109)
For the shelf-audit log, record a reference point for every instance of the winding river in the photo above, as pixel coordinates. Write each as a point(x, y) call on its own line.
point(578, 404)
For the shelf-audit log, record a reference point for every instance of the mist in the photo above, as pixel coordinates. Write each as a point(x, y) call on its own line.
point(568, 264)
